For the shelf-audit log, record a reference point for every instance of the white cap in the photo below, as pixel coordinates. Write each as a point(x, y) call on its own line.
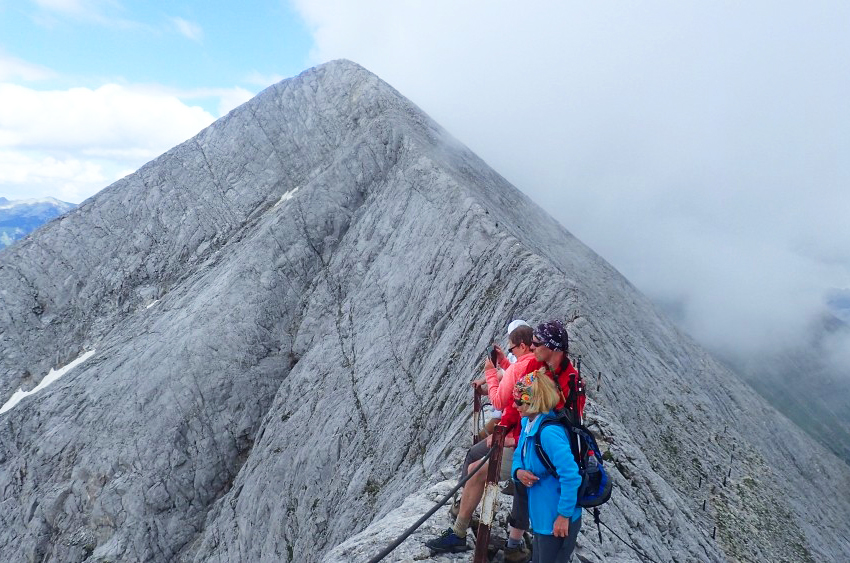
point(515, 325)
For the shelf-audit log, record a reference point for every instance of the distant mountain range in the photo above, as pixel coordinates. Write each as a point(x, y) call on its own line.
point(20, 217)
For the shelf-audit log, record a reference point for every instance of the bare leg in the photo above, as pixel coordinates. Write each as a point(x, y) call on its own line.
point(473, 491)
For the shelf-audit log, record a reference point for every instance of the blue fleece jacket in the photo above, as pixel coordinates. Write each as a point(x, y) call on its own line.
point(549, 496)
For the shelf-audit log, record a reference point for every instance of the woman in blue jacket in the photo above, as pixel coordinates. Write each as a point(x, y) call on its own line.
point(555, 518)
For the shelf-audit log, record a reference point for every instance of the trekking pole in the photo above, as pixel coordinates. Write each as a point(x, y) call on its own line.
point(491, 494)
point(476, 414)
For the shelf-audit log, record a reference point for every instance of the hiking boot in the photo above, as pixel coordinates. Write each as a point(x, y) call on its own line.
point(518, 554)
point(448, 542)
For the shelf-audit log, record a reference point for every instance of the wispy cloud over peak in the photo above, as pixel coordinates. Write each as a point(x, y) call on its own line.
point(188, 29)
point(68, 7)
point(106, 13)
point(258, 79)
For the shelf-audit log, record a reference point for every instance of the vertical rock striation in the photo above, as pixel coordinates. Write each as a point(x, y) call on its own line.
point(287, 310)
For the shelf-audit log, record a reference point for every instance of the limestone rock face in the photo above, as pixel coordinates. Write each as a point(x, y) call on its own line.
point(286, 312)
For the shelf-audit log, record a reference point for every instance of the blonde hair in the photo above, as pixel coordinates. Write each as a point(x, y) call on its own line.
point(544, 394)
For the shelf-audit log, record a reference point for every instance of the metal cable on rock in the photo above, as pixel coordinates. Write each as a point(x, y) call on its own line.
point(389, 549)
point(642, 554)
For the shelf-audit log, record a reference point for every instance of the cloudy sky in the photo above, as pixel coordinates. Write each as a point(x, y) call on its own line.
point(701, 147)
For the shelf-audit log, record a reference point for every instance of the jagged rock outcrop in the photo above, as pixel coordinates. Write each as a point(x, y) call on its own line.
point(286, 312)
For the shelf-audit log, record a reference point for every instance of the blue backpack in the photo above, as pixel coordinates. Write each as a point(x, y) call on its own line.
point(596, 484)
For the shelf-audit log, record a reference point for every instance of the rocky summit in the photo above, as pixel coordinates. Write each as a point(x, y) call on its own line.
point(274, 325)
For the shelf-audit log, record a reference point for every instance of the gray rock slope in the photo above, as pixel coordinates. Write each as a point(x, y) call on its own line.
point(286, 312)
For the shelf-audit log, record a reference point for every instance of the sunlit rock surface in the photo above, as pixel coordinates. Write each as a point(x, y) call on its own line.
point(327, 266)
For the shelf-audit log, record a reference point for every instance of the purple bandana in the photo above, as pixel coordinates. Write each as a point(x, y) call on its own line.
point(553, 335)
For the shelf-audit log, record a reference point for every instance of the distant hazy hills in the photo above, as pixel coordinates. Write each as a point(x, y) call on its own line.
point(839, 304)
point(20, 217)
point(810, 383)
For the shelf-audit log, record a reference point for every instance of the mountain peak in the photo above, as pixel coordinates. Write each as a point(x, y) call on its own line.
point(287, 310)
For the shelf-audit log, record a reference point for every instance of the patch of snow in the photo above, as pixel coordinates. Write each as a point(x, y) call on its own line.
point(286, 197)
point(10, 203)
point(52, 376)
point(154, 302)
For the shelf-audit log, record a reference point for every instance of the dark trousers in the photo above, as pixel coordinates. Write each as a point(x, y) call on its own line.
point(519, 510)
point(549, 549)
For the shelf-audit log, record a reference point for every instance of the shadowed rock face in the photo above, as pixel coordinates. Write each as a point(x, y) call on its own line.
point(286, 312)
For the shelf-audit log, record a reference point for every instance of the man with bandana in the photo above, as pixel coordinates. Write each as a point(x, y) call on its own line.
point(551, 346)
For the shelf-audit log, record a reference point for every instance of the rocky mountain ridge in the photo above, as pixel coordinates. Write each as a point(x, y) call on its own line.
point(287, 310)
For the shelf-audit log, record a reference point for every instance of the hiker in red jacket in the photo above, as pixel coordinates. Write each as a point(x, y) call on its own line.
point(551, 346)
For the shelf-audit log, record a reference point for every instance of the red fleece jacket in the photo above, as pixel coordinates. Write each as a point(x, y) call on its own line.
point(501, 393)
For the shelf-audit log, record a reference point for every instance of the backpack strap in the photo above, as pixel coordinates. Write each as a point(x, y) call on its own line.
point(564, 422)
point(541, 453)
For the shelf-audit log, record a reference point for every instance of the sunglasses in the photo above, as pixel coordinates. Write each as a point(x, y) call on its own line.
point(511, 348)
point(519, 402)
point(535, 344)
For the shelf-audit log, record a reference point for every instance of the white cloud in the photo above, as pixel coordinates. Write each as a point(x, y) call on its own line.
point(232, 98)
point(71, 143)
point(701, 148)
point(69, 7)
point(12, 68)
point(106, 13)
point(189, 29)
point(109, 117)
point(263, 80)
point(69, 179)
point(225, 99)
